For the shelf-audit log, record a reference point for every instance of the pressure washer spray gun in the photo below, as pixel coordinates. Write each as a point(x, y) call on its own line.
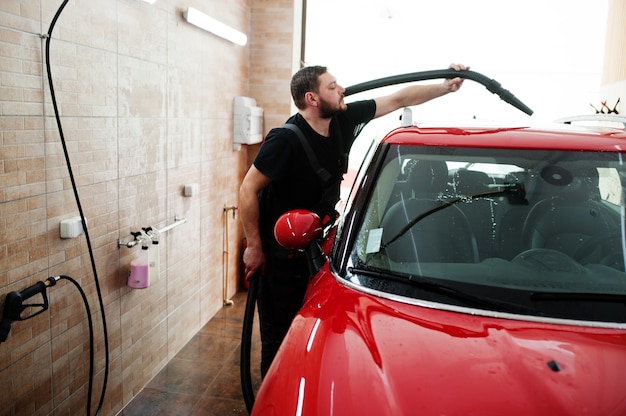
point(15, 308)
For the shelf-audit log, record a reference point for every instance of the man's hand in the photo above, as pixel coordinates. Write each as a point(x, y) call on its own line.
point(253, 260)
point(253, 183)
point(453, 84)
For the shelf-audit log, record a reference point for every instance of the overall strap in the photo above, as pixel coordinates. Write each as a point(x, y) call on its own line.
point(321, 172)
point(325, 208)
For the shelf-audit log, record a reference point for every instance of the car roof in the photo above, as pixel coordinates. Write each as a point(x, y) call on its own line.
point(555, 136)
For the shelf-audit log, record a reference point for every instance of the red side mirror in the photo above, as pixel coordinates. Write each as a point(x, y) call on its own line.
point(296, 229)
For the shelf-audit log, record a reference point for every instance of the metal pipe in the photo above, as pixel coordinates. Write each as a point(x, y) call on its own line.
point(177, 221)
point(227, 302)
point(140, 237)
point(128, 244)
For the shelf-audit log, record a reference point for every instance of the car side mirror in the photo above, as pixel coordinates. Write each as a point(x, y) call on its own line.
point(299, 229)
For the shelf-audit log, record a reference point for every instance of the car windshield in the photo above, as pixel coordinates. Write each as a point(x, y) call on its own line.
point(532, 231)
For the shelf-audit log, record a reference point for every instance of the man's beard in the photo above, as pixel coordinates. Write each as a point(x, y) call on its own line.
point(328, 111)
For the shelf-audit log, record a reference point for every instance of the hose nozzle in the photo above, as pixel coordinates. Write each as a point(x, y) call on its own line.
point(16, 310)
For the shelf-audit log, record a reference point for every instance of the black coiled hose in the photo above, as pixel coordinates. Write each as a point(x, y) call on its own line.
point(87, 237)
point(246, 343)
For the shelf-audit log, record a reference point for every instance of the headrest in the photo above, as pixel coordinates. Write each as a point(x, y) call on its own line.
point(428, 177)
point(471, 182)
point(572, 184)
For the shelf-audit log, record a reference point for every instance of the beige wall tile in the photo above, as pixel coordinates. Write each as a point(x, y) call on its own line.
point(146, 104)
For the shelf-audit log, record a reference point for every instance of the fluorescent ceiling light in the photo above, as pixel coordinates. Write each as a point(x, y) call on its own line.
point(197, 18)
point(150, 1)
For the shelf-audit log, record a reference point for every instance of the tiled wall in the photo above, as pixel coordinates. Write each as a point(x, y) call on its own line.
point(614, 69)
point(146, 107)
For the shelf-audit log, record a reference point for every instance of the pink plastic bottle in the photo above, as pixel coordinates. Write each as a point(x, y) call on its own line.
point(139, 274)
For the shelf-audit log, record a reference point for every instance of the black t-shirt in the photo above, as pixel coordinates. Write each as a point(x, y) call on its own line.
point(282, 158)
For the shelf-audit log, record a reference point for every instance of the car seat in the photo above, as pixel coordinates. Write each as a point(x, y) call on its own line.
point(441, 236)
point(509, 227)
point(480, 211)
point(570, 213)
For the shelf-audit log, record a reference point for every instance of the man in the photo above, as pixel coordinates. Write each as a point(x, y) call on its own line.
point(284, 177)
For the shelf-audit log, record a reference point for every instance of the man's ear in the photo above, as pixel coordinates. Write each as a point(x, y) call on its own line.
point(311, 99)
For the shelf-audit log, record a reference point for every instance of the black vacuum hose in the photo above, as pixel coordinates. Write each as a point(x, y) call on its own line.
point(491, 84)
point(246, 343)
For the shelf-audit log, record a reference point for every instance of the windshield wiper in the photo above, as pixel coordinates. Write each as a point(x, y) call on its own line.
point(513, 191)
point(578, 296)
point(433, 285)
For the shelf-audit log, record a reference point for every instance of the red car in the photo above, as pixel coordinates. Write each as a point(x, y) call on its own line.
point(474, 271)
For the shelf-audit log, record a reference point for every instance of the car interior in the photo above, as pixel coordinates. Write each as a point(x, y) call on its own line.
point(507, 218)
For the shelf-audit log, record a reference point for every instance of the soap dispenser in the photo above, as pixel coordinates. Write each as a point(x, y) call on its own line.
point(139, 274)
point(154, 259)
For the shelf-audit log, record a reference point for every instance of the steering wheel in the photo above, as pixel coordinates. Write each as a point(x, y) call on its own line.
point(548, 260)
point(602, 242)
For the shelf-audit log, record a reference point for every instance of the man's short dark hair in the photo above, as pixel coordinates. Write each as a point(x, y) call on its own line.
point(305, 80)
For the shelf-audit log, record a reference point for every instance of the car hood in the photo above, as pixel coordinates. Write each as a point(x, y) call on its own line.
point(350, 353)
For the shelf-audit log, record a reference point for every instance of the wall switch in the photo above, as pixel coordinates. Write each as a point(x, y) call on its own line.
point(71, 228)
point(191, 189)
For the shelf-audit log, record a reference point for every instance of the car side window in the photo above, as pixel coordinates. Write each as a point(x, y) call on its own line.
point(610, 186)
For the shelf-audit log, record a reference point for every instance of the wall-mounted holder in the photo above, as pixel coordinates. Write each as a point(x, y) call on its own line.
point(141, 236)
point(247, 123)
point(190, 189)
point(71, 228)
